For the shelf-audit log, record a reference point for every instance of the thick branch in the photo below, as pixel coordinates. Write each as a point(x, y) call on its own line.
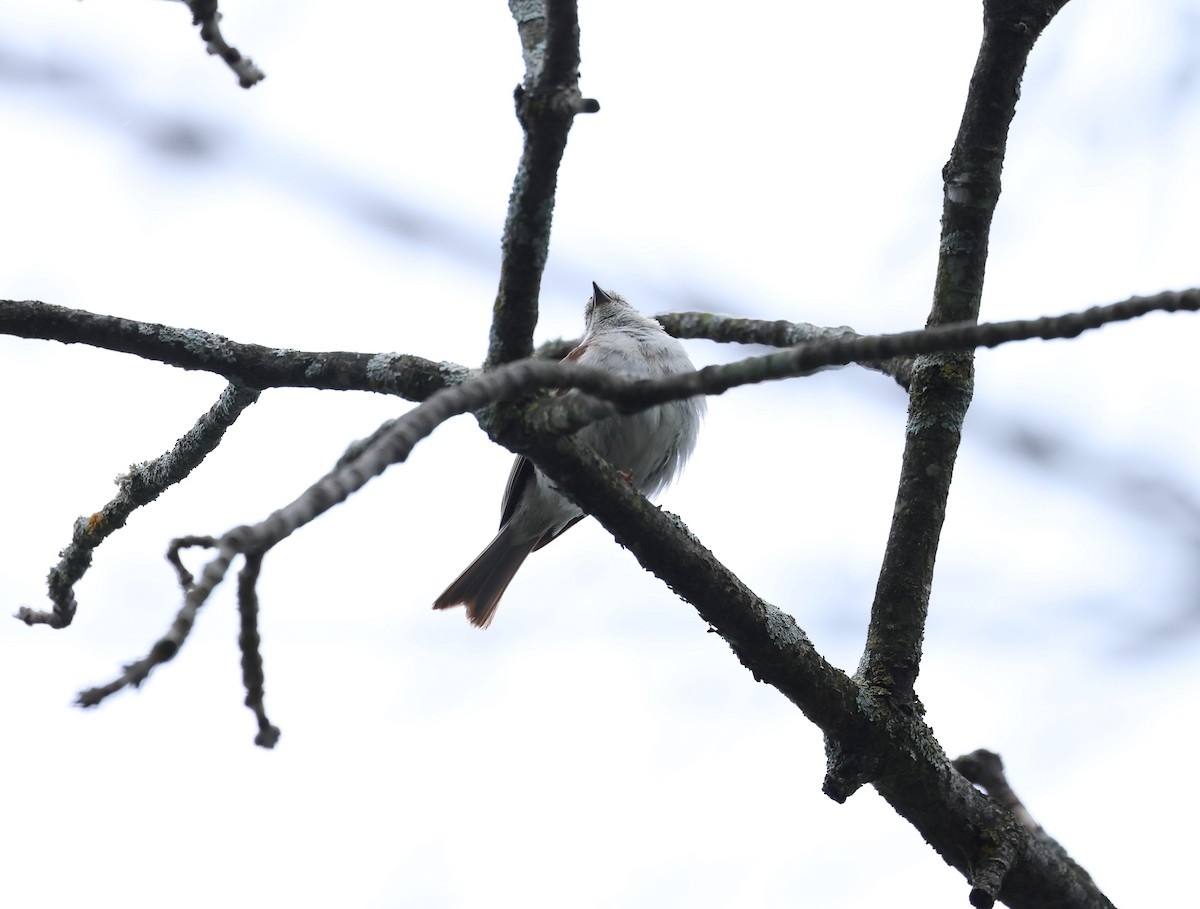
point(898, 751)
point(547, 102)
point(941, 386)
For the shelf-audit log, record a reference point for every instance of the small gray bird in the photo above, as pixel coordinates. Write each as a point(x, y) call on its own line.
point(650, 448)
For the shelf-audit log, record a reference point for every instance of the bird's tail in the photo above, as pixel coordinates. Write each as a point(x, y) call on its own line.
point(480, 587)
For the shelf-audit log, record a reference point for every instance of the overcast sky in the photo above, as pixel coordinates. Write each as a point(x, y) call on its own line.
point(595, 747)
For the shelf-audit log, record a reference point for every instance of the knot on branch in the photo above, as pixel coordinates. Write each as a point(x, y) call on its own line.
point(558, 102)
point(998, 855)
point(846, 770)
point(1023, 18)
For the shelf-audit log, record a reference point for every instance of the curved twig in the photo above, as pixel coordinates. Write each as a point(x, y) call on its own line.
point(141, 485)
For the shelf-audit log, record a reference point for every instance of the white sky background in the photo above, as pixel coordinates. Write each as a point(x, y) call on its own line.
point(595, 747)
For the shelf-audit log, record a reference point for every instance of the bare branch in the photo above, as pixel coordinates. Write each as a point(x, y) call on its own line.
point(868, 737)
point(547, 101)
point(141, 485)
point(841, 351)
point(778, 333)
point(406, 376)
point(941, 386)
point(395, 440)
point(416, 378)
point(563, 415)
point(351, 474)
point(906, 763)
point(206, 15)
point(250, 644)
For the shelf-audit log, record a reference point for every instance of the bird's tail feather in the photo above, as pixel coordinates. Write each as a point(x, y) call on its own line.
point(484, 581)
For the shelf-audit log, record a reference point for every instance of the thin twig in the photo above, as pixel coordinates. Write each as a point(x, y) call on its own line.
point(176, 561)
point(774, 333)
point(206, 15)
point(945, 339)
point(168, 645)
point(251, 647)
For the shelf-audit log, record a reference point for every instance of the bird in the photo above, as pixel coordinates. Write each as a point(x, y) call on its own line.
point(648, 448)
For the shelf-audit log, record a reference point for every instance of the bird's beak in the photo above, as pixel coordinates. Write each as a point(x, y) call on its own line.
point(599, 296)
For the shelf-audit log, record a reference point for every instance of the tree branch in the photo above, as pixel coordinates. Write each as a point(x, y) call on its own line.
point(414, 378)
point(778, 333)
point(841, 351)
point(547, 102)
point(867, 736)
point(353, 471)
point(192, 349)
point(394, 441)
point(206, 15)
point(985, 769)
point(141, 485)
point(250, 644)
point(942, 386)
